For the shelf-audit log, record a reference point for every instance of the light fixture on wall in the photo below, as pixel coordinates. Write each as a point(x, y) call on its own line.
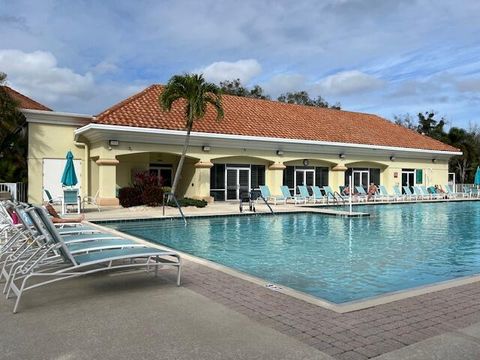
point(341, 156)
point(113, 142)
point(305, 162)
point(392, 158)
point(280, 152)
point(206, 148)
point(434, 161)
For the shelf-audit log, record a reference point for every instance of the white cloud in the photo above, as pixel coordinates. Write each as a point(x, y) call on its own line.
point(348, 82)
point(105, 67)
point(38, 74)
point(244, 70)
point(283, 83)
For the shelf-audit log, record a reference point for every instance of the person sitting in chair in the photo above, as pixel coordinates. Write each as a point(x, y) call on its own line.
point(372, 190)
point(56, 219)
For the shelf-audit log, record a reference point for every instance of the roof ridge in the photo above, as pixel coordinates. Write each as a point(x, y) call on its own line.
point(124, 102)
point(26, 97)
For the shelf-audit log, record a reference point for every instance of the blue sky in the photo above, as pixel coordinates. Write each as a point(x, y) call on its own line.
point(378, 56)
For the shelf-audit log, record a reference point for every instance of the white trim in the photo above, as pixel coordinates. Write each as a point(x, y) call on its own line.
point(214, 136)
point(56, 118)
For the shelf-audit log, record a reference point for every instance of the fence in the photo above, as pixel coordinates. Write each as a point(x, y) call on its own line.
point(465, 187)
point(18, 191)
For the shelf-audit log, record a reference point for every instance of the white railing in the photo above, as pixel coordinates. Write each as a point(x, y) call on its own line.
point(465, 187)
point(18, 191)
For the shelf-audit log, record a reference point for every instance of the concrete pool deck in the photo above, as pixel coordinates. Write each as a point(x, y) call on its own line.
point(217, 315)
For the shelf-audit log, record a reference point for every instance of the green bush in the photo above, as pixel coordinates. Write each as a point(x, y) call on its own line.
point(189, 202)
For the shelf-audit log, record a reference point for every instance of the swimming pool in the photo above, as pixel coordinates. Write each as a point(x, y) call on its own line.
point(334, 258)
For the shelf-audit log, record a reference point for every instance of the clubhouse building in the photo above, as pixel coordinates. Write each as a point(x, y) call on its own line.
point(257, 142)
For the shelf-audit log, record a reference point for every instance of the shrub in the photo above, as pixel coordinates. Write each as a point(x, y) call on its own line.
point(144, 180)
point(189, 202)
point(152, 196)
point(130, 196)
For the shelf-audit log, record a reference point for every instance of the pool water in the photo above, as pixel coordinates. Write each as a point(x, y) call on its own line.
point(334, 258)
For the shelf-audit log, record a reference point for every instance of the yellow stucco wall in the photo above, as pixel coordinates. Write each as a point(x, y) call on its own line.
point(48, 141)
point(110, 167)
point(196, 182)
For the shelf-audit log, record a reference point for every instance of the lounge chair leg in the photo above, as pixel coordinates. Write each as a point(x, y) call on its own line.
point(156, 267)
point(17, 302)
point(179, 272)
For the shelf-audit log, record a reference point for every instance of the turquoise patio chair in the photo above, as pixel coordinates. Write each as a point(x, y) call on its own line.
point(398, 193)
point(266, 194)
point(288, 196)
point(383, 193)
point(409, 193)
point(317, 194)
point(304, 193)
point(70, 198)
point(51, 199)
point(362, 194)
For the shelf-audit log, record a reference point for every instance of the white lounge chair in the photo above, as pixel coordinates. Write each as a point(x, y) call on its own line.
point(79, 265)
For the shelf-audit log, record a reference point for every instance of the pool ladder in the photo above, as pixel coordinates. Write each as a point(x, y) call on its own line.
point(174, 198)
point(337, 197)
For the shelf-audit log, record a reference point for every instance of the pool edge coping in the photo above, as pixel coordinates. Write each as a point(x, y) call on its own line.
point(338, 308)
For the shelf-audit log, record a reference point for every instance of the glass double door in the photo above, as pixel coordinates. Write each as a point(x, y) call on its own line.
point(305, 177)
point(408, 178)
point(361, 178)
point(238, 182)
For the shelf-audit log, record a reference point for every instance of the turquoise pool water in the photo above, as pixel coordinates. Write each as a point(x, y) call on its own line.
point(337, 259)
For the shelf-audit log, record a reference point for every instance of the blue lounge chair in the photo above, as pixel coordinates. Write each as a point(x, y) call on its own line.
point(286, 194)
point(409, 193)
point(384, 195)
point(362, 194)
point(317, 194)
point(398, 193)
point(304, 193)
point(265, 191)
point(418, 192)
point(70, 198)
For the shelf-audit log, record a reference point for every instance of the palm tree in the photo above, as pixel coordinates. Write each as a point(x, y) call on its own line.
point(197, 94)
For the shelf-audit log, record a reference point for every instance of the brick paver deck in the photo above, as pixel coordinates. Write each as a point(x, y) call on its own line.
point(361, 334)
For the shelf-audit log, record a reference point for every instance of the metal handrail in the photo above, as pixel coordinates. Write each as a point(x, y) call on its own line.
point(173, 197)
point(340, 196)
point(266, 203)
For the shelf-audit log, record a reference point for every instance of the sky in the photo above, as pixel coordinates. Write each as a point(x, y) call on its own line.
point(377, 56)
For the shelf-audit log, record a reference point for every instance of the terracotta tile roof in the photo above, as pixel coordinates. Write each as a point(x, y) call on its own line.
point(24, 101)
point(245, 116)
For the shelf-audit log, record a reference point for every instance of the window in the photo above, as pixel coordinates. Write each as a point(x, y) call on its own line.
point(217, 182)
point(257, 176)
point(288, 177)
point(305, 175)
point(321, 176)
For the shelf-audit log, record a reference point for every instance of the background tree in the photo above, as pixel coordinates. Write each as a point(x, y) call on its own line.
point(235, 87)
point(302, 98)
point(13, 138)
point(468, 141)
point(197, 94)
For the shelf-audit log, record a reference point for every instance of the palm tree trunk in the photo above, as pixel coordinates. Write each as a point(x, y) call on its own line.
point(182, 160)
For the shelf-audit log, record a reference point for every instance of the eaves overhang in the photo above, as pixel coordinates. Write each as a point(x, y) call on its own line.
point(102, 132)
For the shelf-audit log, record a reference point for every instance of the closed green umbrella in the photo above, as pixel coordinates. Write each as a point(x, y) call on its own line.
point(477, 176)
point(69, 178)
